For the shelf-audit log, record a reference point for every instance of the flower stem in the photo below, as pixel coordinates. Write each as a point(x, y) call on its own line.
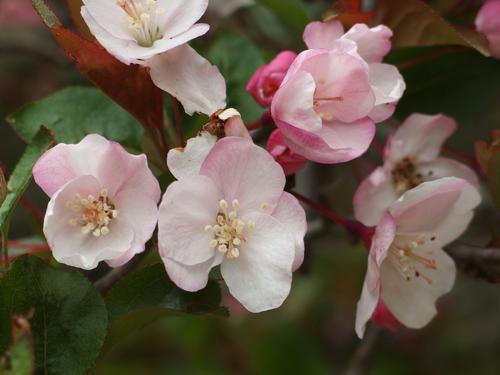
point(354, 227)
point(5, 245)
point(178, 121)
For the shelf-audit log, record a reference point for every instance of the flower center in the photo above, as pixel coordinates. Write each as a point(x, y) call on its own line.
point(405, 175)
point(322, 106)
point(410, 260)
point(92, 214)
point(229, 230)
point(142, 20)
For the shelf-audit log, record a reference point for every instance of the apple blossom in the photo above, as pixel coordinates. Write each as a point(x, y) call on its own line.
point(267, 79)
point(407, 266)
point(103, 202)
point(137, 30)
point(411, 157)
point(488, 23)
point(233, 213)
point(372, 44)
point(289, 161)
point(323, 104)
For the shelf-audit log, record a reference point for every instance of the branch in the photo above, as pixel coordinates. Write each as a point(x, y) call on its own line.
point(477, 262)
point(362, 352)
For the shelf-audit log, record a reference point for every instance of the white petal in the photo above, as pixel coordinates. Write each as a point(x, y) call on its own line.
point(413, 302)
point(365, 308)
point(373, 197)
point(179, 15)
point(109, 16)
point(188, 76)
point(387, 83)
point(444, 167)
point(261, 277)
point(246, 172)
point(290, 213)
point(188, 206)
point(442, 209)
point(421, 137)
point(187, 161)
point(72, 247)
point(191, 278)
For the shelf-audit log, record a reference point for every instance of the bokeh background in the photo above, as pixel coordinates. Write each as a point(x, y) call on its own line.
point(313, 333)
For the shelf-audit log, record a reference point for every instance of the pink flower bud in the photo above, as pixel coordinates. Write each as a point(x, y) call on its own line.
point(488, 23)
point(266, 80)
point(289, 160)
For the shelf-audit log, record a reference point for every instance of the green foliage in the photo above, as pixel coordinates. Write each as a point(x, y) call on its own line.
point(146, 295)
point(75, 112)
point(237, 58)
point(20, 358)
point(293, 12)
point(21, 176)
point(69, 317)
point(460, 84)
point(48, 17)
point(416, 24)
point(488, 156)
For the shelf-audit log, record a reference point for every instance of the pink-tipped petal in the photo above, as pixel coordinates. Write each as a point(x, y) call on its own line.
point(388, 86)
point(421, 137)
point(373, 44)
point(245, 172)
point(188, 76)
point(187, 207)
point(445, 167)
point(373, 197)
point(440, 209)
point(322, 34)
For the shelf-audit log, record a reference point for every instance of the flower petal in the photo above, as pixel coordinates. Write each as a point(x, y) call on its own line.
point(413, 302)
point(188, 206)
point(246, 172)
point(387, 83)
point(191, 278)
point(191, 78)
point(442, 209)
point(421, 137)
point(290, 213)
point(261, 277)
point(445, 167)
point(373, 197)
point(293, 103)
point(322, 34)
point(180, 15)
point(373, 43)
point(109, 16)
point(365, 308)
point(64, 162)
point(187, 161)
point(72, 247)
point(335, 143)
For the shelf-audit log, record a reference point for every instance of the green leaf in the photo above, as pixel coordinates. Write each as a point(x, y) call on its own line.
point(463, 85)
point(146, 295)
point(20, 358)
point(292, 12)
point(237, 58)
point(416, 24)
point(69, 316)
point(21, 176)
point(73, 113)
point(488, 156)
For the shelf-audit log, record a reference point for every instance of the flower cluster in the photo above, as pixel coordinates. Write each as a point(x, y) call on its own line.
point(228, 207)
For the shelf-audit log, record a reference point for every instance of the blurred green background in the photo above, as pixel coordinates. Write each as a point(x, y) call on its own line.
point(313, 333)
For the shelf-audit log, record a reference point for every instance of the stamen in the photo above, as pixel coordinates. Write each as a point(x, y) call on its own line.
point(406, 260)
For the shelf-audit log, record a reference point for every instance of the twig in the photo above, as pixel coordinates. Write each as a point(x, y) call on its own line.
point(178, 121)
point(39, 214)
point(362, 352)
point(352, 226)
point(479, 263)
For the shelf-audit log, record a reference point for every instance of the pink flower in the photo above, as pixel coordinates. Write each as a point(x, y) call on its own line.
point(233, 213)
point(488, 23)
point(323, 104)
point(103, 204)
point(411, 157)
point(407, 266)
point(137, 30)
point(372, 44)
point(267, 79)
point(289, 161)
